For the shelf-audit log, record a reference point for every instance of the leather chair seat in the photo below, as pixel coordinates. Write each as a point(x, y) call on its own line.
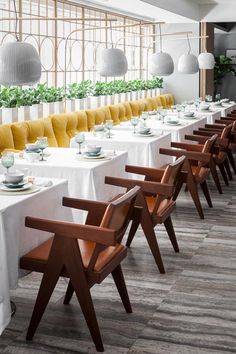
point(165, 208)
point(40, 255)
point(201, 175)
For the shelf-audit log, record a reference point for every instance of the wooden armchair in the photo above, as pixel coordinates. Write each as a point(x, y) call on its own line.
point(156, 201)
point(196, 169)
point(86, 254)
point(221, 155)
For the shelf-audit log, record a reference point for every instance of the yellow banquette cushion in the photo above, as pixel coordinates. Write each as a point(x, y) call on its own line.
point(66, 125)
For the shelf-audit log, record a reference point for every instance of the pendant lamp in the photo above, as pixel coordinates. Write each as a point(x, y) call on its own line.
point(188, 63)
point(19, 62)
point(161, 63)
point(206, 60)
point(113, 61)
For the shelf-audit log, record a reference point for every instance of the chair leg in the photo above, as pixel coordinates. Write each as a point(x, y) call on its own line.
point(216, 177)
point(132, 231)
point(171, 233)
point(223, 173)
point(69, 294)
point(152, 241)
point(177, 189)
point(227, 167)
point(206, 193)
point(47, 286)
point(231, 160)
point(121, 287)
point(194, 194)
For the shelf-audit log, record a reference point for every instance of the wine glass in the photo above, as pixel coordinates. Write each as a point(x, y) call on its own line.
point(144, 117)
point(7, 160)
point(217, 98)
point(134, 121)
point(196, 104)
point(109, 126)
point(163, 114)
point(179, 109)
point(42, 142)
point(80, 139)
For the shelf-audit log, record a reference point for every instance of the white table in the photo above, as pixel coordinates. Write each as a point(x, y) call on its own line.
point(85, 178)
point(177, 131)
point(211, 116)
point(142, 150)
point(225, 109)
point(16, 239)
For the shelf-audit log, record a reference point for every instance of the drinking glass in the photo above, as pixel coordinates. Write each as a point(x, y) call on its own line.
point(144, 117)
point(179, 109)
point(109, 126)
point(217, 98)
point(42, 142)
point(80, 139)
point(134, 121)
point(196, 104)
point(7, 160)
point(163, 113)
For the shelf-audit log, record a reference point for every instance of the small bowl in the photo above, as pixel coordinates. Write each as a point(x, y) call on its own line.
point(32, 147)
point(204, 107)
point(144, 130)
point(99, 128)
point(189, 114)
point(14, 177)
point(32, 156)
point(93, 149)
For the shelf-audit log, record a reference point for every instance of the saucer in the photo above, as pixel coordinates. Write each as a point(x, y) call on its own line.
point(23, 188)
point(93, 154)
point(14, 185)
point(100, 156)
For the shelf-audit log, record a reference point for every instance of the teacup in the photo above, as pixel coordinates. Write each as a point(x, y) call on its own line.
point(144, 130)
point(14, 177)
point(32, 147)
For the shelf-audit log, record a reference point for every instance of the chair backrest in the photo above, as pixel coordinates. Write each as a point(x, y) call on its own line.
point(116, 217)
point(170, 177)
point(207, 148)
point(226, 131)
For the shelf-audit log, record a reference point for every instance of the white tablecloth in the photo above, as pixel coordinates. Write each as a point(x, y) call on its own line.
point(177, 131)
point(16, 239)
point(85, 178)
point(142, 151)
point(211, 116)
point(225, 109)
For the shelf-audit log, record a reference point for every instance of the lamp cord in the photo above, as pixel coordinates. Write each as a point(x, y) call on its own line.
point(111, 34)
point(16, 23)
point(189, 46)
point(160, 37)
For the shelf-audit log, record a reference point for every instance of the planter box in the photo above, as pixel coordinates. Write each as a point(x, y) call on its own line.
point(153, 93)
point(48, 109)
point(23, 113)
point(36, 111)
point(122, 97)
point(9, 115)
point(157, 92)
point(117, 98)
point(143, 93)
point(134, 95)
point(79, 104)
point(128, 96)
point(103, 100)
point(94, 102)
point(59, 107)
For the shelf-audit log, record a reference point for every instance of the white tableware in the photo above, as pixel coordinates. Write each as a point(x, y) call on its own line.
point(8, 159)
point(189, 114)
point(144, 130)
point(25, 187)
point(14, 177)
point(32, 147)
point(32, 157)
point(98, 157)
point(173, 122)
point(146, 135)
point(93, 149)
point(204, 107)
point(225, 100)
point(99, 128)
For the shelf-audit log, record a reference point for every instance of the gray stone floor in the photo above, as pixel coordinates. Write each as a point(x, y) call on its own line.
point(191, 309)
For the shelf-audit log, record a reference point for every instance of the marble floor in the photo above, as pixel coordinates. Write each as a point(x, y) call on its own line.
point(191, 309)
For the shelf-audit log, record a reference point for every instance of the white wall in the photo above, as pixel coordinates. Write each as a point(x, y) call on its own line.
point(183, 87)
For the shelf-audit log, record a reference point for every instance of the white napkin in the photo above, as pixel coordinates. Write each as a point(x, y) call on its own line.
point(42, 182)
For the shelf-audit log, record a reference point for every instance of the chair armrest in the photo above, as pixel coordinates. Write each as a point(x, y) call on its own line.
point(191, 155)
point(215, 126)
point(200, 139)
point(188, 147)
point(146, 171)
point(83, 204)
point(146, 186)
point(92, 233)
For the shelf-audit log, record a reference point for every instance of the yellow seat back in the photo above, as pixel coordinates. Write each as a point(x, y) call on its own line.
point(128, 111)
point(114, 110)
point(6, 137)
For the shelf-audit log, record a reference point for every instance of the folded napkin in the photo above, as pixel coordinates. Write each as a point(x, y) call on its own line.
point(42, 182)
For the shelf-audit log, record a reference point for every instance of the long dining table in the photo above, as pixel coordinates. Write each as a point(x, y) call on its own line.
point(16, 239)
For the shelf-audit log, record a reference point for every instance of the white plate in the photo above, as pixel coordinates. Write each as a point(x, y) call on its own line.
point(173, 124)
point(101, 156)
point(26, 186)
point(145, 135)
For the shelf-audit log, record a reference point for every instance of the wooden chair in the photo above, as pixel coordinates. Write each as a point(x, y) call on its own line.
point(221, 154)
point(156, 202)
point(86, 254)
point(196, 169)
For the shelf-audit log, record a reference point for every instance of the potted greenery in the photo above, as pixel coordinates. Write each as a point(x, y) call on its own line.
point(11, 99)
point(222, 67)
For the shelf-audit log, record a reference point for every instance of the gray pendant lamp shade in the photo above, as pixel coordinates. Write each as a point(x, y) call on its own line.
point(19, 64)
point(206, 61)
point(113, 63)
point(161, 64)
point(188, 63)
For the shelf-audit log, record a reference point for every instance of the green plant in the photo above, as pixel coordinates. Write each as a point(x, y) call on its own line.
point(222, 67)
point(82, 90)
